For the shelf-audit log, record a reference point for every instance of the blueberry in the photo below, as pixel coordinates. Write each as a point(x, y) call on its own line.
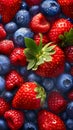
point(64, 82)
point(11, 27)
point(69, 124)
point(23, 71)
point(50, 8)
point(48, 84)
point(69, 110)
point(30, 116)
point(0, 19)
point(64, 116)
point(24, 5)
point(8, 96)
point(34, 10)
point(67, 67)
point(22, 18)
point(3, 125)
point(20, 34)
point(4, 64)
point(30, 126)
point(2, 84)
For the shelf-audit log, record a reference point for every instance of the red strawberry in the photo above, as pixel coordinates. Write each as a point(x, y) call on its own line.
point(70, 95)
point(47, 61)
point(4, 106)
point(59, 27)
point(49, 121)
point(15, 119)
point(2, 33)
point(56, 102)
point(6, 47)
point(44, 39)
point(69, 53)
point(17, 57)
point(8, 9)
point(39, 23)
point(29, 96)
point(71, 71)
point(13, 80)
point(67, 7)
point(33, 2)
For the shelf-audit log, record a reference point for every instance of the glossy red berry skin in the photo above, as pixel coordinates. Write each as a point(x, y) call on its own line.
point(33, 2)
point(2, 33)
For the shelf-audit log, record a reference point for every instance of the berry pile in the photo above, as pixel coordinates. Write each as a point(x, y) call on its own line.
point(36, 64)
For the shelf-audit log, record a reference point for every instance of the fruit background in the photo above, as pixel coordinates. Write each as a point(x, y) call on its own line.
point(36, 64)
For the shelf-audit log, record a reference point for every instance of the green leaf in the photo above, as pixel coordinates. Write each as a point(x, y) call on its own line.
point(31, 64)
point(46, 46)
point(61, 37)
point(49, 49)
point(40, 45)
point(28, 54)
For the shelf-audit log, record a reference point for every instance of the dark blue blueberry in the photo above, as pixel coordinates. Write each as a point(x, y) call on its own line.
point(4, 64)
point(48, 83)
point(64, 116)
point(3, 125)
point(23, 71)
point(8, 96)
point(69, 110)
point(24, 5)
point(69, 124)
point(67, 67)
point(20, 34)
point(71, 20)
point(11, 27)
point(30, 126)
point(30, 116)
point(22, 18)
point(2, 84)
point(0, 19)
point(50, 8)
point(34, 77)
point(34, 10)
point(64, 82)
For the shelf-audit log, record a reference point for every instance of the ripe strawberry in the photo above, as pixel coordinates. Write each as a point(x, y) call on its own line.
point(71, 71)
point(39, 24)
point(59, 27)
point(47, 61)
point(56, 102)
point(44, 39)
point(14, 118)
point(49, 121)
point(17, 57)
point(69, 53)
point(29, 96)
point(6, 47)
point(67, 7)
point(13, 80)
point(70, 95)
point(33, 2)
point(2, 33)
point(8, 9)
point(4, 106)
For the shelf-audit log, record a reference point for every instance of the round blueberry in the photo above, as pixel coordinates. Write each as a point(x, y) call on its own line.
point(64, 82)
point(34, 10)
point(8, 96)
point(2, 84)
point(50, 8)
point(11, 27)
point(22, 18)
point(69, 110)
point(3, 125)
point(30, 116)
point(69, 124)
point(0, 19)
point(30, 126)
point(23, 71)
point(24, 5)
point(4, 64)
point(20, 34)
point(67, 67)
point(64, 116)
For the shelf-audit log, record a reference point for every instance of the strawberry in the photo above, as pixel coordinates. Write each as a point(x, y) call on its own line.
point(6, 47)
point(56, 102)
point(2, 33)
point(49, 121)
point(67, 7)
point(17, 57)
point(15, 119)
point(47, 61)
point(8, 9)
point(30, 96)
point(13, 80)
point(70, 95)
point(39, 23)
point(4, 106)
point(33, 2)
point(44, 39)
point(59, 27)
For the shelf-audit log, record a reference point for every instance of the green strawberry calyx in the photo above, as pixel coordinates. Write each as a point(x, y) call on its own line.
point(41, 94)
point(37, 55)
point(66, 38)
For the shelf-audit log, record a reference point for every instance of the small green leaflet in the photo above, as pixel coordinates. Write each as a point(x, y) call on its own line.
point(31, 64)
